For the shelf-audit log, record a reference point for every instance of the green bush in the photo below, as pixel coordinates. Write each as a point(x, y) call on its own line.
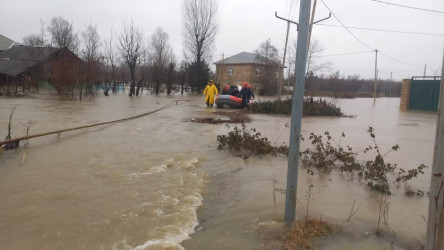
point(311, 107)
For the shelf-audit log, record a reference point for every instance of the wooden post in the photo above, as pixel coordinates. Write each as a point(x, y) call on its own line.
point(435, 221)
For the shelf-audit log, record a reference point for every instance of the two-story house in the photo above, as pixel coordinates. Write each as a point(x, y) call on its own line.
point(262, 74)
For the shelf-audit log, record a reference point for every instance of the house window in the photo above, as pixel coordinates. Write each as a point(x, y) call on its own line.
point(230, 71)
point(277, 74)
point(258, 72)
point(258, 85)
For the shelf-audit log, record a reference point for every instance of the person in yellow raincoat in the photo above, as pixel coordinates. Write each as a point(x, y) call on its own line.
point(210, 91)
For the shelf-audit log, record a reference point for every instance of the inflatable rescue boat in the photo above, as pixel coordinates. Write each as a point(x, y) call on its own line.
point(228, 101)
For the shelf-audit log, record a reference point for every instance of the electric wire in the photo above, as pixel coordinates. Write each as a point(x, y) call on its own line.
point(410, 7)
point(351, 33)
point(346, 54)
point(345, 27)
point(399, 61)
point(383, 30)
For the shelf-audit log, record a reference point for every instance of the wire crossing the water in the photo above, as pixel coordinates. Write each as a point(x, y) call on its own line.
point(91, 125)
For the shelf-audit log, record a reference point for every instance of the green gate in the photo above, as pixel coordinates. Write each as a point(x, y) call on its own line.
point(424, 94)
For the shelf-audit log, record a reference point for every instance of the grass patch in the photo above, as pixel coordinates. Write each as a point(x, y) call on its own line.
point(311, 107)
point(305, 233)
point(232, 117)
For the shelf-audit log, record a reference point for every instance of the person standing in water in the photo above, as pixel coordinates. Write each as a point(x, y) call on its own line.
point(210, 91)
point(245, 94)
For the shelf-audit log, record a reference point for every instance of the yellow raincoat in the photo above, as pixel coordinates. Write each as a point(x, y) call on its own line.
point(210, 90)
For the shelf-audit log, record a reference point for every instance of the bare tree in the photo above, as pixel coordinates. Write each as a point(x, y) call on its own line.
point(160, 53)
point(91, 57)
point(170, 77)
point(199, 18)
point(267, 55)
point(314, 66)
point(132, 48)
point(267, 52)
point(63, 34)
point(110, 58)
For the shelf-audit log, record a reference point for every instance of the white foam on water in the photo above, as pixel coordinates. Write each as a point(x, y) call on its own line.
point(175, 234)
point(173, 239)
point(159, 169)
point(158, 212)
point(137, 175)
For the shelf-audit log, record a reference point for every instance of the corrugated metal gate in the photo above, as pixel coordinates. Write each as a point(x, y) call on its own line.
point(424, 94)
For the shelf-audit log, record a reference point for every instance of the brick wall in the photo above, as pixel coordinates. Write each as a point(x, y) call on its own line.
point(244, 73)
point(405, 94)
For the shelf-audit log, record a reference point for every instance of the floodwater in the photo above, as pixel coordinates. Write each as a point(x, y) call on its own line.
point(159, 182)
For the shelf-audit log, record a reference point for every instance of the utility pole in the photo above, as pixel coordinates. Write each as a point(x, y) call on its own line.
point(425, 68)
point(285, 53)
point(288, 79)
point(390, 91)
point(435, 221)
point(313, 22)
point(376, 75)
point(296, 113)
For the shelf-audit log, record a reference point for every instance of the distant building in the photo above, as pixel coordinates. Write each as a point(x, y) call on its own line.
point(26, 66)
point(6, 43)
point(263, 75)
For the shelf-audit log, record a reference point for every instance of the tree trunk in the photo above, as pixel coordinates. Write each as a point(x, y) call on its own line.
point(138, 88)
point(157, 87)
point(182, 83)
point(133, 82)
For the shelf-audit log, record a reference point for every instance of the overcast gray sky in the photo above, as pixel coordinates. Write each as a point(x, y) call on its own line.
point(244, 24)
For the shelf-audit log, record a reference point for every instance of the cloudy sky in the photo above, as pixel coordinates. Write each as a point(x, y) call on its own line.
point(244, 24)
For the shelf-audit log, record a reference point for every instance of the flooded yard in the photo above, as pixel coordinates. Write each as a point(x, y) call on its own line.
point(159, 182)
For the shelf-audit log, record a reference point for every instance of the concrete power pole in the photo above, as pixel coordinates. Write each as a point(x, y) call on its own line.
point(296, 112)
point(376, 75)
point(435, 222)
point(285, 53)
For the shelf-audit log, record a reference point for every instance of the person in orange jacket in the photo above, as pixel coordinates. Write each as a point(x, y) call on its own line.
point(226, 90)
point(210, 91)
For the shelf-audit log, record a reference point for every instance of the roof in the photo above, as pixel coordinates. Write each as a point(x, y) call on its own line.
point(19, 58)
point(6, 43)
point(27, 53)
point(243, 58)
point(13, 68)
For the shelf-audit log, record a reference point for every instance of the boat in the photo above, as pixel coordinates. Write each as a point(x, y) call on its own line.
point(228, 101)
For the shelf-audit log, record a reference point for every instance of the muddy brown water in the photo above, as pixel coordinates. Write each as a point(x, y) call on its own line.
point(159, 182)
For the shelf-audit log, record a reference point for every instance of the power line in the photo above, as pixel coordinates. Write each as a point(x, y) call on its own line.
point(291, 7)
point(295, 9)
point(394, 59)
point(346, 54)
point(346, 27)
point(410, 7)
point(286, 8)
point(384, 30)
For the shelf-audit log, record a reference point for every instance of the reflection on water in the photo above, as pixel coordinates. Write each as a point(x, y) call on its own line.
point(137, 184)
